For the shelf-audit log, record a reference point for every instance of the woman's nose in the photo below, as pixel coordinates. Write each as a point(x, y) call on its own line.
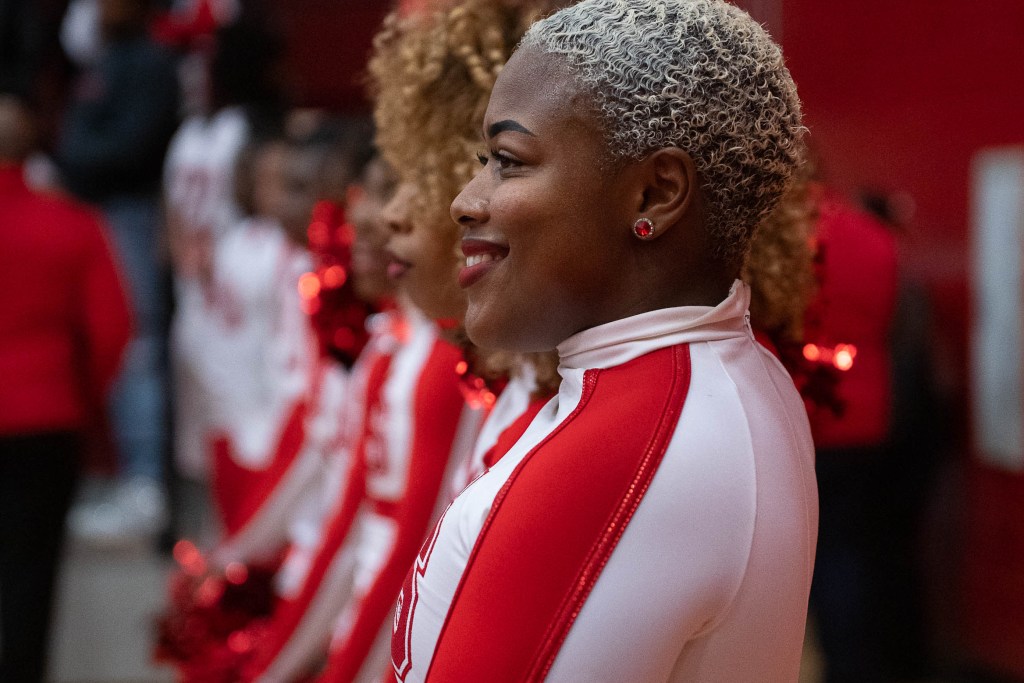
point(396, 212)
point(470, 207)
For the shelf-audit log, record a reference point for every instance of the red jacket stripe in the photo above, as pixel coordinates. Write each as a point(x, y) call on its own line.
point(546, 539)
point(437, 412)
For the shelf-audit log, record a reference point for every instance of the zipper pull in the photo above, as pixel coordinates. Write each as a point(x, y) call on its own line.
point(750, 329)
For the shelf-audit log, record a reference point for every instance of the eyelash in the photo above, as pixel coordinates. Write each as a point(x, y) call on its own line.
point(504, 161)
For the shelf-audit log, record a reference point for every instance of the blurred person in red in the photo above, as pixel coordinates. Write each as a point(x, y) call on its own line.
point(64, 323)
point(848, 330)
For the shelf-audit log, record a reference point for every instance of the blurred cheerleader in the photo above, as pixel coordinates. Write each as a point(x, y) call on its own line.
point(260, 365)
point(286, 325)
point(315, 581)
point(406, 427)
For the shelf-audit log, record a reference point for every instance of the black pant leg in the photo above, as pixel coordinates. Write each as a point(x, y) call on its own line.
point(38, 474)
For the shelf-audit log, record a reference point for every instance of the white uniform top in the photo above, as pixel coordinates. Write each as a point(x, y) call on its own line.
point(259, 357)
point(258, 366)
point(710, 578)
point(199, 171)
point(199, 178)
point(308, 523)
point(415, 428)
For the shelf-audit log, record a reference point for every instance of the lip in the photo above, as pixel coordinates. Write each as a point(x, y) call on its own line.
point(397, 268)
point(494, 252)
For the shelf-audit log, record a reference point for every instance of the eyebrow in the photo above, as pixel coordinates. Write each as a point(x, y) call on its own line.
point(508, 124)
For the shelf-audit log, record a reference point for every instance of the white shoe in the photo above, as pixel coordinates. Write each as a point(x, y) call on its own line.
point(135, 511)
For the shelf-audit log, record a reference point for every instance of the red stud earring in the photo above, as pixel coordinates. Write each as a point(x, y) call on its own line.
point(644, 229)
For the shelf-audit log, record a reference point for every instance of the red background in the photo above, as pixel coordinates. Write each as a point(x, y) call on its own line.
point(900, 96)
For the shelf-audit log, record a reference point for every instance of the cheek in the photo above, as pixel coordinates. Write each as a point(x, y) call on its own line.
point(546, 233)
point(564, 255)
point(445, 264)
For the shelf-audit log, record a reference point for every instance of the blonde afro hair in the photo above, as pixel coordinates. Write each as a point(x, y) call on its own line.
point(700, 75)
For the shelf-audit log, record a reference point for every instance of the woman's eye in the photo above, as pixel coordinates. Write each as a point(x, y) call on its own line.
point(504, 161)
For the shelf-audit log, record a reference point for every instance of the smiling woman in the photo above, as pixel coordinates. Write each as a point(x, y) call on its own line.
point(656, 520)
point(431, 75)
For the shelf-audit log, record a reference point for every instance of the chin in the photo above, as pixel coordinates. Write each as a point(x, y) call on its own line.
point(438, 309)
point(502, 333)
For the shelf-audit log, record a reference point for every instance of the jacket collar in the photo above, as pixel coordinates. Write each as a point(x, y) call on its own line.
point(620, 341)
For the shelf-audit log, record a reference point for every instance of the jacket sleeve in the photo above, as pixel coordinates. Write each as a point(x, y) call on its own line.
point(300, 627)
point(438, 409)
point(105, 322)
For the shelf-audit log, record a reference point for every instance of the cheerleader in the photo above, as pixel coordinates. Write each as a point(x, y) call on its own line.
point(429, 105)
point(656, 520)
point(407, 425)
point(269, 386)
point(287, 319)
point(200, 205)
point(233, 100)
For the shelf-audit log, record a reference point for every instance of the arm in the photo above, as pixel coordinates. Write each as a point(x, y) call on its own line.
point(440, 418)
point(300, 628)
point(266, 527)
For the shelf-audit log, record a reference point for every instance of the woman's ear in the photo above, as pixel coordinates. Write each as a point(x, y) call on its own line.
point(669, 179)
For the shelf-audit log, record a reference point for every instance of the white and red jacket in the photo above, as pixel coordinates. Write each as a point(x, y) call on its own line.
point(315, 581)
point(199, 181)
point(416, 440)
point(655, 522)
point(273, 400)
point(414, 430)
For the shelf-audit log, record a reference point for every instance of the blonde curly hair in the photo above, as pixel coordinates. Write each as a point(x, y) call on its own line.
point(431, 76)
point(700, 75)
point(780, 263)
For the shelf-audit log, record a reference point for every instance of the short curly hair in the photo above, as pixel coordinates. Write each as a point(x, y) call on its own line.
point(431, 76)
point(700, 75)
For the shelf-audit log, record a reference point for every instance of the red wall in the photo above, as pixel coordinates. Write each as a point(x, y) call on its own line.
point(899, 96)
point(327, 45)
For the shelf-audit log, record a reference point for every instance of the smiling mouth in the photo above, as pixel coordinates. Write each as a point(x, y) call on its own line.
point(477, 259)
point(481, 257)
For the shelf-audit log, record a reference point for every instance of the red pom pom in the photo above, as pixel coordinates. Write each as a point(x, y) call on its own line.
point(214, 622)
point(328, 295)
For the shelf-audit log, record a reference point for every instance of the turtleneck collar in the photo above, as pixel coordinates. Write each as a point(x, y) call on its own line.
point(623, 340)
